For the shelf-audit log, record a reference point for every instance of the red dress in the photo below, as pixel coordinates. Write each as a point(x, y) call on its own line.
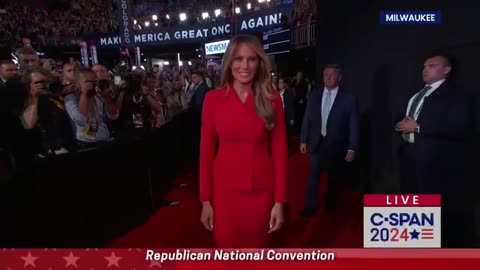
point(243, 167)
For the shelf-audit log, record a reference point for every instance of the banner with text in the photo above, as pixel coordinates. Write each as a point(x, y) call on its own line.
point(254, 22)
point(125, 21)
point(212, 259)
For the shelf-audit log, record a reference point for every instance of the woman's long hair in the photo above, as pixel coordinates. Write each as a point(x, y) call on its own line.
point(261, 85)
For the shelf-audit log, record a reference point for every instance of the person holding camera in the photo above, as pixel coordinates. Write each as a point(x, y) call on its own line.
point(91, 108)
point(45, 114)
point(139, 104)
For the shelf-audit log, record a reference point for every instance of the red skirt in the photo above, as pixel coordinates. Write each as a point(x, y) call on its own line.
point(241, 218)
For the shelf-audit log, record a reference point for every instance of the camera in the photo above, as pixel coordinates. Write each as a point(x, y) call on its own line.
point(53, 87)
point(102, 84)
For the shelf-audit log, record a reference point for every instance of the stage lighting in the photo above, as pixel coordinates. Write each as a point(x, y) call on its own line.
point(167, 16)
point(154, 17)
point(166, 63)
point(205, 15)
point(237, 10)
point(249, 6)
point(134, 21)
point(218, 12)
point(183, 17)
point(147, 24)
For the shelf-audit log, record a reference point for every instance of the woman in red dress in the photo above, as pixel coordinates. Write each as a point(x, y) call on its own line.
point(243, 152)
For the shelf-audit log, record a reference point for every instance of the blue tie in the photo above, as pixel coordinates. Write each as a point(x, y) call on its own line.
point(326, 111)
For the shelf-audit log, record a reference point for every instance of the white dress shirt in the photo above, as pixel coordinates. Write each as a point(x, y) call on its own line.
point(333, 94)
point(435, 85)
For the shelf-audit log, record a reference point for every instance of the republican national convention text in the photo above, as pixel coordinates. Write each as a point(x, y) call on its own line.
point(238, 255)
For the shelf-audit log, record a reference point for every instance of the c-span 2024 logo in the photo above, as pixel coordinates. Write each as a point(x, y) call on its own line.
point(401, 221)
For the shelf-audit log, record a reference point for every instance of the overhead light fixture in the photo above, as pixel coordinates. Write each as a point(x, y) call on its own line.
point(147, 24)
point(156, 24)
point(189, 63)
point(205, 15)
point(167, 16)
point(249, 6)
point(183, 17)
point(237, 10)
point(134, 21)
point(218, 12)
point(154, 17)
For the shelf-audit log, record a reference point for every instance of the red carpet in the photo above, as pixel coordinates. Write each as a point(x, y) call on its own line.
point(179, 226)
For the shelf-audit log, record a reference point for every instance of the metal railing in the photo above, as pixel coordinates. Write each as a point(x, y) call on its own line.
point(303, 36)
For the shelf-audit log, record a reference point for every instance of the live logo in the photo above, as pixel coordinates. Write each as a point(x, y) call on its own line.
point(402, 220)
point(402, 200)
point(393, 200)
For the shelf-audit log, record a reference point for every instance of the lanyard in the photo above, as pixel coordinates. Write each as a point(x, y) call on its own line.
point(57, 103)
point(97, 115)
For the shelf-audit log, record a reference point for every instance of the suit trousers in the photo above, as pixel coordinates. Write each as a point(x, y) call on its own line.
point(457, 221)
point(322, 160)
point(410, 181)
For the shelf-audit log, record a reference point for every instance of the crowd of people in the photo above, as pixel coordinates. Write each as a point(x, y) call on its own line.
point(86, 17)
point(82, 18)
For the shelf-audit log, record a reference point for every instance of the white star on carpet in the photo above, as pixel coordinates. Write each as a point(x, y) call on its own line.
point(113, 260)
point(71, 260)
point(155, 263)
point(29, 260)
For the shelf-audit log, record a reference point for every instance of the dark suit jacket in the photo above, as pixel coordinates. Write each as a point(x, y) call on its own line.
point(446, 129)
point(289, 103)
point(196, 102)
point(343, 127)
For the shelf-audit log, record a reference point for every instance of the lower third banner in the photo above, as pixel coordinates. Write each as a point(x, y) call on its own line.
point(141, 259)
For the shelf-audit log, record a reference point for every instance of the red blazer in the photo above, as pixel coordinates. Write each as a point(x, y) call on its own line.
point(236, 150)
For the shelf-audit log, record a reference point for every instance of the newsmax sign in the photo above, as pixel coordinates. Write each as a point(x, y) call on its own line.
point(217, 47)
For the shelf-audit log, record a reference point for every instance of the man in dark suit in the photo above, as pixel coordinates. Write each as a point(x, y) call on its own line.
point(287, 95)
point(330, 133)
point(288, 99)
point(436, 134)
point(199, 90)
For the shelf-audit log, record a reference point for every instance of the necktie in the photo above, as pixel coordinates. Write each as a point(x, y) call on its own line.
point(417, 99)
point(414, 107)
point(326, 111)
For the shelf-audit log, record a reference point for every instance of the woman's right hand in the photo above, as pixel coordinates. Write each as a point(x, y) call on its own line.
point(207, 216)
